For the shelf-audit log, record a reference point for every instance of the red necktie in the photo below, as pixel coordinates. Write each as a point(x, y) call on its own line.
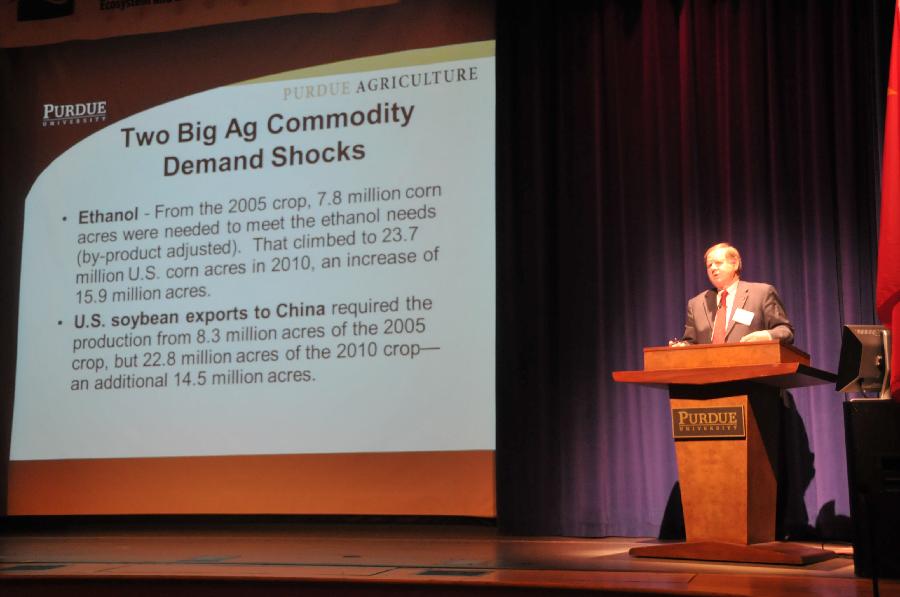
point(718, 336)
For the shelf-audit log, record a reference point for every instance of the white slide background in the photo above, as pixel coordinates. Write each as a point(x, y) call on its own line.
point(348, 391)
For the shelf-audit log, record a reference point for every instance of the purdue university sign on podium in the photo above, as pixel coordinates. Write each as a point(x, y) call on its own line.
point(726, 405)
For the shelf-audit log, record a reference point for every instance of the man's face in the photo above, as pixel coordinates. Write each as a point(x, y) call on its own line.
point(721, 271)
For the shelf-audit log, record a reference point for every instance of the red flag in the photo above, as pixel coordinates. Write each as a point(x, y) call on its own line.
point(887, 295)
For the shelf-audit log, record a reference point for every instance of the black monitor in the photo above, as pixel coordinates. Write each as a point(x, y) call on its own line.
point(864, 364)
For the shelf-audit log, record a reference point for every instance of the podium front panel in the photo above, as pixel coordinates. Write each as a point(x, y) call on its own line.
point(728, 484)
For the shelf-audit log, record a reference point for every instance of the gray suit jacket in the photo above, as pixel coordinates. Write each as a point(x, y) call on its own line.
point(760, 299)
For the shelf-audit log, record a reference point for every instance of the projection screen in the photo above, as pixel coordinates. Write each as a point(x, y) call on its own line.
point(257, 267)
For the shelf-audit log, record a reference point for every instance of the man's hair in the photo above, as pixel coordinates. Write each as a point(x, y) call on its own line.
point(731, 254)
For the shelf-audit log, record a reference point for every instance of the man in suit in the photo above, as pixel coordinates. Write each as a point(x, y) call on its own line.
point(736, 311)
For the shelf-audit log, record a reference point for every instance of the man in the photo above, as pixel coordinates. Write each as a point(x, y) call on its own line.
point(736, 311)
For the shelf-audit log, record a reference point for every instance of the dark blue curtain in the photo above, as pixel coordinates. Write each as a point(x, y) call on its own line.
point(632, 135)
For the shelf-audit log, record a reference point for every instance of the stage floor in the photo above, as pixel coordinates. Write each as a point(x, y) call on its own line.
point(462, 556)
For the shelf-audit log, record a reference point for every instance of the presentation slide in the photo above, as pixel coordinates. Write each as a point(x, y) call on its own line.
point(300, 265)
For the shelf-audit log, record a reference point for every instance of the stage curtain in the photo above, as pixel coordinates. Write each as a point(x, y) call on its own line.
point(632, 135)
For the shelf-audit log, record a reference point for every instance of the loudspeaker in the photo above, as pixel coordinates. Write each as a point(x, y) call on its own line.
point(872, 429)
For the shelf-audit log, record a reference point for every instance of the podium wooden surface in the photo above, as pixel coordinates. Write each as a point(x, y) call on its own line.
point(726, 403)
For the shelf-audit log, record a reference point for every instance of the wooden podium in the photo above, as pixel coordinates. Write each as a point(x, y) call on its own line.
point(726, 404)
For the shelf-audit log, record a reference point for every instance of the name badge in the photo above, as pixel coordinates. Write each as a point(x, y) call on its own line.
point(743, 316)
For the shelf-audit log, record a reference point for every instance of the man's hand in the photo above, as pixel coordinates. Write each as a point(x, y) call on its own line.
point(760, 336)
point(677, 343)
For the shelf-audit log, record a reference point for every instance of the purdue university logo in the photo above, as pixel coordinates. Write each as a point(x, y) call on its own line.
point(80, 113)
point(709, 422)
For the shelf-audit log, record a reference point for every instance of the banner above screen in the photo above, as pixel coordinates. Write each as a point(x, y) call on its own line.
point(39, 22)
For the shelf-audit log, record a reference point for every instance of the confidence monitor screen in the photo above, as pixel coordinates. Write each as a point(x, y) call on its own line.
point(258, 279)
